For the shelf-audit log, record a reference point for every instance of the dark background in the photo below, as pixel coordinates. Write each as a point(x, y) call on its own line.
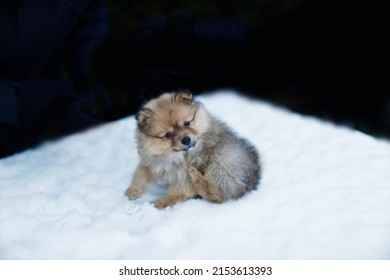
point(323, 58)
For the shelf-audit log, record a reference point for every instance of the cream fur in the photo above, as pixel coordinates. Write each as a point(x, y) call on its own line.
point(220, 166)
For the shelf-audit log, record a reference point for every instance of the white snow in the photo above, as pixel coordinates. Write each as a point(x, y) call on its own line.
point(325, 194)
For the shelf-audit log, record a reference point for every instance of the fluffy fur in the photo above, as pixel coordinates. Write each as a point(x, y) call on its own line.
point(192, 152)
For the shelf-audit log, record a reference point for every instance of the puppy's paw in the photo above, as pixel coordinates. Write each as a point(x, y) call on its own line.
point(193, 172)
point(133, 193)
point(170, 200)
point(207, 194)
point(161, 204)
point(215, 198)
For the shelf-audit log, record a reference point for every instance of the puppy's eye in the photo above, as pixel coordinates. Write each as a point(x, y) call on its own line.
point(186, 124)
point(168, 135)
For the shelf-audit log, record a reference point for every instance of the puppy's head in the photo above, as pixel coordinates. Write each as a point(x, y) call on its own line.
point(172, 123)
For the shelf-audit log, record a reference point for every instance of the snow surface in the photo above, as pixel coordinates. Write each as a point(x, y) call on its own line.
point(325, 194)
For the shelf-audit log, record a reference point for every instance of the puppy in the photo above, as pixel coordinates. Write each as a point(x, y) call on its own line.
point(192, 152)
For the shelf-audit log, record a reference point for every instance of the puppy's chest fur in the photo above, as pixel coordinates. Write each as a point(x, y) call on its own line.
point(171, 171)
point(174, 171)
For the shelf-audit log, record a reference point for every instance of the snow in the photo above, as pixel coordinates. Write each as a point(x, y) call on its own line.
point(325, 194)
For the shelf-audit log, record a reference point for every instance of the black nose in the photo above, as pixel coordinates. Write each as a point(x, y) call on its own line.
point(186, 141)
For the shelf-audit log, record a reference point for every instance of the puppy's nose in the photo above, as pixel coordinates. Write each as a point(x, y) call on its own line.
point(186, 141)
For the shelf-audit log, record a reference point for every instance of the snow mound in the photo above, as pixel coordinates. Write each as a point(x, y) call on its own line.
point(325, 194)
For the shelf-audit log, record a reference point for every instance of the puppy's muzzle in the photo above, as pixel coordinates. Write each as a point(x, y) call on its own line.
point(186, 141)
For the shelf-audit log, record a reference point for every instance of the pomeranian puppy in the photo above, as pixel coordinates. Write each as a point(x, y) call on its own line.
point(191, 152)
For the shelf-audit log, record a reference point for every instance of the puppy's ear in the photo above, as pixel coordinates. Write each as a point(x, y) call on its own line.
point(143, 116)
point(183, 96)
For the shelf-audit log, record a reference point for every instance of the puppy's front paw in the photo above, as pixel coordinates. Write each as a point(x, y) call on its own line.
point(133, 193)
point(172, 199)
point(161, 204)
point(193, 172)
